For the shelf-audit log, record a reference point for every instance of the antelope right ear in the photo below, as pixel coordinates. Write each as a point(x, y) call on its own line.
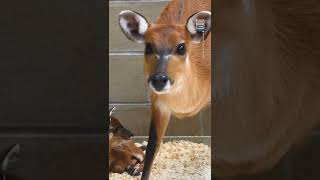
point(205, 18)
point(133, 25)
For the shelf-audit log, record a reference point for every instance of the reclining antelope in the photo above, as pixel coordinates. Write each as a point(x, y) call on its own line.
point(124, 155)
point(175, 68)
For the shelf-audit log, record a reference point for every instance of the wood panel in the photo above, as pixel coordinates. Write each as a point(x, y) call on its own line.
point(126, 79)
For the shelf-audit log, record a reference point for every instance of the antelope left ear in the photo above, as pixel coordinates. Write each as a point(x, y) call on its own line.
point(197, 35)
point(133, 25)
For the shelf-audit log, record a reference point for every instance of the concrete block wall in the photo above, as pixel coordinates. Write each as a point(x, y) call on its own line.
point(127, 86)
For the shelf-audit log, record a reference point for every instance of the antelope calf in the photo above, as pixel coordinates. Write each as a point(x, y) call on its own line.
point(124, 155)
point(177, 63)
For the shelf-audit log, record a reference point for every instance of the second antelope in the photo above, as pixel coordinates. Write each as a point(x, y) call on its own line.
point(124, 155)
point(177, 63)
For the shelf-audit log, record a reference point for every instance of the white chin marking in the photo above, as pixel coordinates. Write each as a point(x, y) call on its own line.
point(165, 90)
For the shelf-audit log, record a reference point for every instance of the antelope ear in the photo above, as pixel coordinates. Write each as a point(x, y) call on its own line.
point(133, 25)
point(202, 16)
point(111, 110)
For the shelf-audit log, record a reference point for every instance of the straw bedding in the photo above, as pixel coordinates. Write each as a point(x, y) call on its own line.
point(179, 160)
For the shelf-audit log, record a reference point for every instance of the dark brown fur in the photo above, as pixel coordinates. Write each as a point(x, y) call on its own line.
point(116, 127)
point(123, 155)
point(267, 81)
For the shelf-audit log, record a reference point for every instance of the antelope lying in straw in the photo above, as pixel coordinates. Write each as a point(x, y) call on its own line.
point(124, 155)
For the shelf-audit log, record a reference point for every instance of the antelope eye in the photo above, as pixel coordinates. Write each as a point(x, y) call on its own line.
point(181, 49)
point(148, 49)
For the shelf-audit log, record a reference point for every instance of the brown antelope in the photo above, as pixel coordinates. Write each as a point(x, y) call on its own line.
point(124, 155)
point(175, 69)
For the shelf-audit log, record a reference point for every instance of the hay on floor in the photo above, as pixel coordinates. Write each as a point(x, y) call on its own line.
point(180, 160)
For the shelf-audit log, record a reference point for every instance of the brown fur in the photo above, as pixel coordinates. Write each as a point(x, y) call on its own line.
point(123, 153)
point(191, 90)
point(196, 80)
point(267, 80)
point(116, 127)
point(115, 123)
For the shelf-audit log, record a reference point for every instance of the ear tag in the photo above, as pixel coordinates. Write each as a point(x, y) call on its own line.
point(200, 28)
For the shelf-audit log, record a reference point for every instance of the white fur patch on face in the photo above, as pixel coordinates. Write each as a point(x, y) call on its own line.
point(167, 86)
point(166, 57)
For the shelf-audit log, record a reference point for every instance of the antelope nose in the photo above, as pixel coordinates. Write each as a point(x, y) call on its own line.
point(131, 135)
point(158, 81)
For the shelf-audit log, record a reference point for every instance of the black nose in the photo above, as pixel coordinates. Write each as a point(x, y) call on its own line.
point(158, 81)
